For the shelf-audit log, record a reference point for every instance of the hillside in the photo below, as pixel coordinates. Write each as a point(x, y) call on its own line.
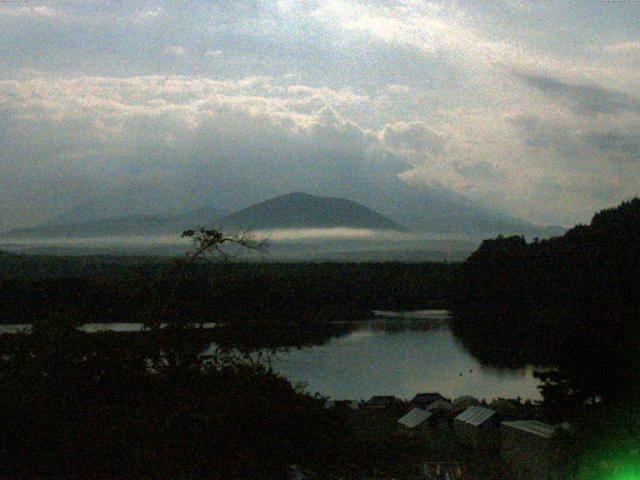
point(596, 261)
point(301, 210)
point(119, 226)
point(522, 303)
point(439, 210)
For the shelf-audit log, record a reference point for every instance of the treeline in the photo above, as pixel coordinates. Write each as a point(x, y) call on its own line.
point(571, 301)
point(594, 263)
point(226, 292)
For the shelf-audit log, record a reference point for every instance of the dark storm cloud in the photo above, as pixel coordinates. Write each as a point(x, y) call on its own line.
point(581, 145)
point(584, 99)
point(538, 132)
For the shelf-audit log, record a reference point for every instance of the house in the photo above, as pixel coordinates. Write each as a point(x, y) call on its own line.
point(530, 449)
point(427, 424)
point(341, 404)
point(477, 427)
point(444, 406)
point(416, 422)
point(460, 404)
point(381, 401)
point(423, 400)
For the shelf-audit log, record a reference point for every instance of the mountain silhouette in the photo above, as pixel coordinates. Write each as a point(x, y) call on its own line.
point(70, 226)
point(301, 210)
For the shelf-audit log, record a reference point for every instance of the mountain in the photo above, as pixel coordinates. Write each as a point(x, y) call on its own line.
point(436, 209)
point(70, 226)
point(374, 182)
point(301, 210)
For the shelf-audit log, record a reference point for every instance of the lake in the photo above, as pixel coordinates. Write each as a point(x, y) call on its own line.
point(397, 353)
point(401, 357)
point(401, 354)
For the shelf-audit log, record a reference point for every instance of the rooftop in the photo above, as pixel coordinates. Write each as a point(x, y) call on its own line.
point(415, 417)
point(441, 405)
point(476, 415)
point(428, 397)
point(533, 427)
point(382, 399)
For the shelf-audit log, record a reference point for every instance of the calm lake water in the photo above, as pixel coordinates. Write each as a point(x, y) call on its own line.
point(397, 353)
point(401, 357)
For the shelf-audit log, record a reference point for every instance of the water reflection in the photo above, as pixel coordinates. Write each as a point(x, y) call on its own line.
point(401, 358)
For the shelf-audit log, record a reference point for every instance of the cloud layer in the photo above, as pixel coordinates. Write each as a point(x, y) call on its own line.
point(166, 106)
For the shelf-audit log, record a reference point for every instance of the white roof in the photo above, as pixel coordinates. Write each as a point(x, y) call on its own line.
point(415, 417)
point(533, 427)
point(476, 415)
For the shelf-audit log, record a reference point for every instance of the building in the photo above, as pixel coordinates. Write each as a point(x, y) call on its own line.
point(530, 449)
point(423, 400)
point(444, 406)
point(342, 404)
point(416, 422)
point(381, 401)
point(477, 427)
point(460, 404)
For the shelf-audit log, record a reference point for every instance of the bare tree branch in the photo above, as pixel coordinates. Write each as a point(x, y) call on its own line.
point(205, 241)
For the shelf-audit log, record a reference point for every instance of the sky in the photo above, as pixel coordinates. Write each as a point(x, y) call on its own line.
point(530, 108)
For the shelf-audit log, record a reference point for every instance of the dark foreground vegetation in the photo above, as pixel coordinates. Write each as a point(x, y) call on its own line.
point(150, 405)
point(108, 404)
point(571, 303)
point(563, 301)
point(91, 406)
point(79, 405)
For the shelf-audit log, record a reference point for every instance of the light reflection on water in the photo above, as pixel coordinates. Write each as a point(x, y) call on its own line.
point(407, 358)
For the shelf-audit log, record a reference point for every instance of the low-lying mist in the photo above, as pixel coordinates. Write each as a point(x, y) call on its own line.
point(291, 243)
point(339, 233)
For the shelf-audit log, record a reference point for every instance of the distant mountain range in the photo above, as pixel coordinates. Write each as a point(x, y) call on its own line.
point(294, 210)
point(65, 226)
point(440, 210)
point(406, 209)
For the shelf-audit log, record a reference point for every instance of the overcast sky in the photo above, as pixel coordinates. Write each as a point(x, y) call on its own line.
point(532, 108)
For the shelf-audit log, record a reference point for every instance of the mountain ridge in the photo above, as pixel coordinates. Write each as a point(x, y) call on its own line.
point(303, 210)
point(134, 224)
point(292, 210)
point(400, 208)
